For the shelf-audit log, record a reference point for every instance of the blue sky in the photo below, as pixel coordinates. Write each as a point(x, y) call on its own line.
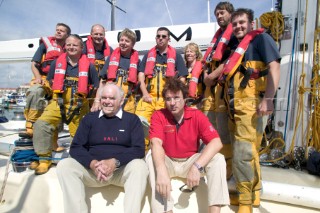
point(22, 19)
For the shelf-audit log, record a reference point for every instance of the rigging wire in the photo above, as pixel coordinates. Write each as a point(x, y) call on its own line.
point(1, 3)
point(165, 2)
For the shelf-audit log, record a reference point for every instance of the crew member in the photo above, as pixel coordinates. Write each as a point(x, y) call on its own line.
point(159, 64)
point(252, 75)
point(193, 57)
point(214, 105)
point(96, 47)
point(50, 48)
point(71, 74)
point(121, 68)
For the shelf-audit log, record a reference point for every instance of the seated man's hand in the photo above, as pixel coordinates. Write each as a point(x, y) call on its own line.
point(163, 183)
point(103, 169)
point(193, 177)
point(107, 167)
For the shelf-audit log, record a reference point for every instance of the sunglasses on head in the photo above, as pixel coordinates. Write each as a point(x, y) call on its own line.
point(162, 36)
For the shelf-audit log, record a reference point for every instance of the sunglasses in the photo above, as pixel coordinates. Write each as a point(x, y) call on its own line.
point(162, 36)
point(185, 188)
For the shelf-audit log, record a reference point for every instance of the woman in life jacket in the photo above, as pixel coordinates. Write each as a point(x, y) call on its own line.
point(193, 57)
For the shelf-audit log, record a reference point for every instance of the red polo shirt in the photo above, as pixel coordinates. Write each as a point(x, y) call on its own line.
point(181, 141)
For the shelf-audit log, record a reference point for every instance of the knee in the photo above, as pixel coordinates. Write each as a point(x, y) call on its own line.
point(63, 167)
point(218, 161)
point(43, 126)
point(242, 151)
point(36, 90)
point(138, 167)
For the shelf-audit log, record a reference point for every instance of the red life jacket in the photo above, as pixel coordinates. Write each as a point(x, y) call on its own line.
point(235, 59)
point(193, 83)
point(53, 49)
point(222, 45)
point(151, 62)
point(60, 71)
point(114, 64)
point(91, 52)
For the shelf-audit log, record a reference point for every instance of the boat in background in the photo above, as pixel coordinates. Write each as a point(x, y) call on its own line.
point(21, 101)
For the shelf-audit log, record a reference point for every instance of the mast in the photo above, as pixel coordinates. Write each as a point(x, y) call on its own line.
point(113, 7)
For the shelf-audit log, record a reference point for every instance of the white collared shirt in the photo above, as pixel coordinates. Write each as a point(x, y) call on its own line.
point(119, 113)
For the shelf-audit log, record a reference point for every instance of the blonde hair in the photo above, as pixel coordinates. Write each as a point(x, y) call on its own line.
point(130, 34)
point(194, 47)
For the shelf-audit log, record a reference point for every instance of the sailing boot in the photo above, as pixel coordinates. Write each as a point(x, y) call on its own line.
point(33, 165)
point(234, 199)
point(31, 116)
point(44, 164)
point(245, 209)
point(256, 199)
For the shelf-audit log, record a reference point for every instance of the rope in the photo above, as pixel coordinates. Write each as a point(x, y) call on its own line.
point(314, 119)
point(274, 22)
point(12, 153)
point(5, 177)
point(312, 136)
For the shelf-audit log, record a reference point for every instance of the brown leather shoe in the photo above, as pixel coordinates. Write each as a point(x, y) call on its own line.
point(34, 165)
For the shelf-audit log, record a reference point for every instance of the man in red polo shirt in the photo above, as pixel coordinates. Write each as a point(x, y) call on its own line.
point(175, 134)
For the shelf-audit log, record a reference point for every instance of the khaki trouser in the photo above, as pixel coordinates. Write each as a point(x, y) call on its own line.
point(73, 178)
point(247, 129)
point(216, 180)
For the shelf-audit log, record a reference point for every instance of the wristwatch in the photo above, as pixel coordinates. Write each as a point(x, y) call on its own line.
point(200, 168)
point(117, 163)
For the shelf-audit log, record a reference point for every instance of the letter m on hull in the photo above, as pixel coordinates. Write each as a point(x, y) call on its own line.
point(187, 32)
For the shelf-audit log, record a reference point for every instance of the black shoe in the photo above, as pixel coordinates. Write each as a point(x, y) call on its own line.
point(25, 135)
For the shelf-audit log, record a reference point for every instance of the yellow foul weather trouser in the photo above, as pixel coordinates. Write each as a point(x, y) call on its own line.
point(247, 130)
point(214, 107)
point(144, 109)
point(35, 102)
point(130, 104)
point(46, 126)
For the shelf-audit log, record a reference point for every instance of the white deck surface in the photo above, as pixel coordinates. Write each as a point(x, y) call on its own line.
point(26, 192)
